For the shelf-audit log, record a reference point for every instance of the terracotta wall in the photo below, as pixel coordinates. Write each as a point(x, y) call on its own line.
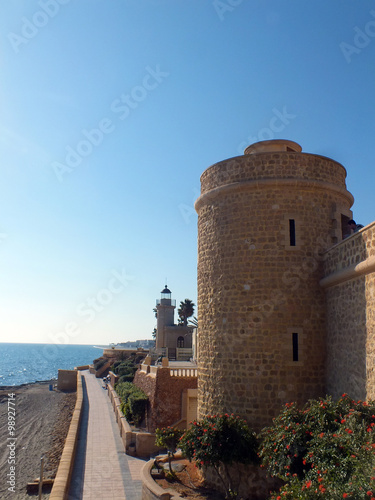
point(165, 395)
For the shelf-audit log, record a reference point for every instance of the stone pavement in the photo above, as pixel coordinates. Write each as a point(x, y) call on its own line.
point(101, 468)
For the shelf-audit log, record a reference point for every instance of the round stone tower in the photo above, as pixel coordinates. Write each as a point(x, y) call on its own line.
point(264, 220)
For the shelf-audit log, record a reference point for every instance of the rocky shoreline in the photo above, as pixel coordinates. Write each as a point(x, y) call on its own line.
point(42, 419)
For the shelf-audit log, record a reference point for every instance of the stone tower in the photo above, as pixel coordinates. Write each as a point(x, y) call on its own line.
point(165, 307)
point(264, 221)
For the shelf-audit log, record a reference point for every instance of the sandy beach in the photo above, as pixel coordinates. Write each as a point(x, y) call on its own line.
point(42, 420)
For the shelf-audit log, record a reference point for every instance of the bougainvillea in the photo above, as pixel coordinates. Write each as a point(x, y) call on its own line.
point(326, 449)
point(219, 441)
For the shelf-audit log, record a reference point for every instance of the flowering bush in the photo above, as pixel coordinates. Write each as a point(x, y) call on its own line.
point(220, 441)
point(324, 450)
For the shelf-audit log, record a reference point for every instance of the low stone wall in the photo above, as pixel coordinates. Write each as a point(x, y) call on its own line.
point(139, 444)
point(61, 484)
point(113, 378)
point(151, 490)
point(82, 367)
point(67, 380)
point(102, 372)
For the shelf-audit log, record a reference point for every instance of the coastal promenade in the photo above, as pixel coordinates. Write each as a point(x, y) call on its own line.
point(101, 469)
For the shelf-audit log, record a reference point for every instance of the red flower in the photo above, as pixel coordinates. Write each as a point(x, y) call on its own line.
point(308, 484)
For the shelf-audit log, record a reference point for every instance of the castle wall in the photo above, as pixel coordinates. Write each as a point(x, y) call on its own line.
point(349, 282)
point(256, 292)
point(165, 395)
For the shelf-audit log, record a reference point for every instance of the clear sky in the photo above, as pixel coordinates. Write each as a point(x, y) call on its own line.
point(110, 112)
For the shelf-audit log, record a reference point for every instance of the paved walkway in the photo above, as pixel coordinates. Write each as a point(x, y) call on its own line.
point(101, 468)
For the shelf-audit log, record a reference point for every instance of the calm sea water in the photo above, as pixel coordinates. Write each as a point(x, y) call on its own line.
point(26, 363)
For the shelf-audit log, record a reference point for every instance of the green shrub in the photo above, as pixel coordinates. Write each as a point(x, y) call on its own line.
point(219, 441)
point(126, 378)
point(124, 389)
point(133, 402)
point(324, 449)
point(139, 358)
point(124, 367)
point(125, 408)
point(125, 370)
point(138, 404)
point(115, 365)
point(168, 437)
point(99, 363)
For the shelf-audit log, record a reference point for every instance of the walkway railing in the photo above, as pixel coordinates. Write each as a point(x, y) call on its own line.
point(183, 372)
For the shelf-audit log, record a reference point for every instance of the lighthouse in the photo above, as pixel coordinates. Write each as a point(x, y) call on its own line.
point(165, 307)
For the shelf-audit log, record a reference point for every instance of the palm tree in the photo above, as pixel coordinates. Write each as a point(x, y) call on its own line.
point(185, 311)
point(193, 322)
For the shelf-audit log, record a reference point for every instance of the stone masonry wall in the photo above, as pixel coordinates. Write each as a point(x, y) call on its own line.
point(271, 166)
point(351, 316)
point(255, 290)
point(165, 395)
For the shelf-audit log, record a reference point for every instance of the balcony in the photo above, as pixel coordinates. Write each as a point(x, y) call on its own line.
point(166, 302)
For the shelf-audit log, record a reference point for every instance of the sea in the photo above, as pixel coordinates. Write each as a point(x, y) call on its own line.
point(28, 363)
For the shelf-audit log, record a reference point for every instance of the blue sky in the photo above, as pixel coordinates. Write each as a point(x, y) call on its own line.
point(110, 112)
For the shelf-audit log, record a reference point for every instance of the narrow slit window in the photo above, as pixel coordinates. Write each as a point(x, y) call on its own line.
point(292, 232)
point(295, 346)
